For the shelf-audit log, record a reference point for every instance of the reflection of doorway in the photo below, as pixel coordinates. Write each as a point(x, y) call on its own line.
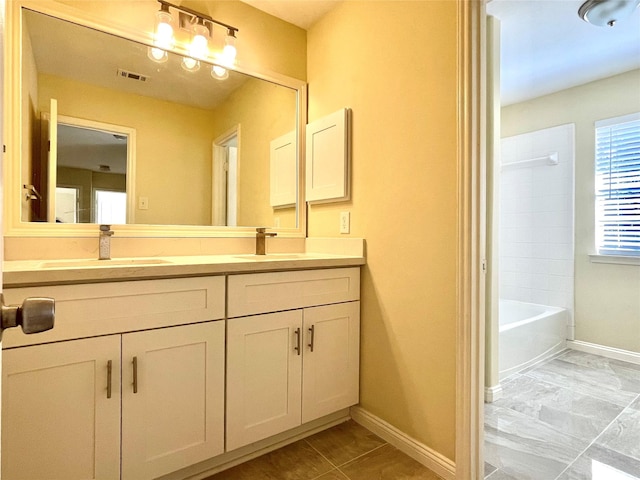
point(67, 204)
point(87, 156)
point(224, 197)
point(110, 207)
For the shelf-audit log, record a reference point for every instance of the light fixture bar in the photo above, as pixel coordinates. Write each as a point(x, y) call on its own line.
point(198, 15)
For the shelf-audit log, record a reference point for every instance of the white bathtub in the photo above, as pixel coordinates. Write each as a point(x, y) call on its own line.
point(529, 333)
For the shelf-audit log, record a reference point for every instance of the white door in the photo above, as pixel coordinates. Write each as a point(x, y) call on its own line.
point(264, 363)
point(172, 398)
point(331, 361)
point(52, 167)
point(62, 411)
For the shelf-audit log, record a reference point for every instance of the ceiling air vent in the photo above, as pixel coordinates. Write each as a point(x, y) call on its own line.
point(132, 75)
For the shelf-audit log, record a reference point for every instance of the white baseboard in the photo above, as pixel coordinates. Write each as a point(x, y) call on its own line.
point(491, 394)
point(431, 459)
point(609, 352)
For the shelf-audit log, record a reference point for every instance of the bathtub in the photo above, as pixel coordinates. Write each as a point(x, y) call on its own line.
point(529, 333)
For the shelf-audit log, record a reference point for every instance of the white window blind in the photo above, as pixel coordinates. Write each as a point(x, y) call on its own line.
point(618, 186)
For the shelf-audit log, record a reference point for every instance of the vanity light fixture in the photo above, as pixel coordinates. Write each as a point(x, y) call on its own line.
point(201, 27)
point(606, 12)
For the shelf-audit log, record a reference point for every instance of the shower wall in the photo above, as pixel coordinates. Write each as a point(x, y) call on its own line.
point(537, 218)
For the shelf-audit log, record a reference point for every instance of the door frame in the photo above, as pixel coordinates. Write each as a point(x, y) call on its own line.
point(219, 194)
point(471, 159)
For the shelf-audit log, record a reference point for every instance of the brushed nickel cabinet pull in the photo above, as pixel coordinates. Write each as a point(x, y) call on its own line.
point(135, 374)
point(109, 369)
point(297, 347)
point(312, 332)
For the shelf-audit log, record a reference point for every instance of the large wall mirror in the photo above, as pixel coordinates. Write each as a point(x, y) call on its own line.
point(110, 136)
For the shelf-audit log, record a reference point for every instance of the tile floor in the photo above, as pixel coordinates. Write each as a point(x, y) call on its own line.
point(573, 417)
point(346, 451)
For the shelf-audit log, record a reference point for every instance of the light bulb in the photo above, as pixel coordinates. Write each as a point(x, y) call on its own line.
point(219, 73)
point(229, 51)
point(163, 36)
point(199, 47)
point(190, 64)
point(157, 55)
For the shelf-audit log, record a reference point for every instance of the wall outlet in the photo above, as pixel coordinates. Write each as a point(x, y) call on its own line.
point(345, 222)
point(143, 203)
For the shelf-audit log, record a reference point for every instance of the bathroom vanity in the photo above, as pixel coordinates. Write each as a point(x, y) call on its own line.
point(198, 362)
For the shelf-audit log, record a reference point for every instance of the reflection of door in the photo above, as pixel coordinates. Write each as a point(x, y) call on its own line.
point(67, 204)
point(224, 195)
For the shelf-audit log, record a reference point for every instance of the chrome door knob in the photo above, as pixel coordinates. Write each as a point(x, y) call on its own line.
point(36, 314)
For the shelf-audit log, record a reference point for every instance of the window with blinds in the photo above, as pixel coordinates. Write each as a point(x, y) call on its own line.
point(618, 186)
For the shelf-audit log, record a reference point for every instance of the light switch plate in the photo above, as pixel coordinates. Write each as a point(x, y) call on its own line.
point(143, 203)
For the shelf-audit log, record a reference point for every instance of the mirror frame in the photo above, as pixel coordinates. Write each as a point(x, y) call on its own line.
point(12, 165)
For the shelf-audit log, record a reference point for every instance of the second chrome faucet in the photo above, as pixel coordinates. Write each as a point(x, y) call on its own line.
point(261, 234)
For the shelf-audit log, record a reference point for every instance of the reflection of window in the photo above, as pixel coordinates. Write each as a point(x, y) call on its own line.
point(67, 204)
point(110, 207)
point(618, 186)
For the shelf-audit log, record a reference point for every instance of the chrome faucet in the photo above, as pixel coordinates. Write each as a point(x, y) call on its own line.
point(261, 234)
point(104, 242)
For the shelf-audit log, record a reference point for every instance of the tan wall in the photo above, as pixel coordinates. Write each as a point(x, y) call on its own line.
point(264, 112)
point(394, 64)
point(607, 297)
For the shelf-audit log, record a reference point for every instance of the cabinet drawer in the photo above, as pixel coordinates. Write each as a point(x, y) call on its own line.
point(103, 308)
point(271, 292)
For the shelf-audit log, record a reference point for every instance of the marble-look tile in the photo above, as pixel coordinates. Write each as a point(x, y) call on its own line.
point(344, 442)
point(297, 461)
point(597, 361)
point(619, 385)
point(488, 469)
point(599, 463)
point(524, 447)
point(623, 435)
point(501, 475)
point(571, 412)
point(387, 463)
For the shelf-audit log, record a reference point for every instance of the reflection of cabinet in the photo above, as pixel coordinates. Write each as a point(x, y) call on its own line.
point(291, 367)
point(62, 405)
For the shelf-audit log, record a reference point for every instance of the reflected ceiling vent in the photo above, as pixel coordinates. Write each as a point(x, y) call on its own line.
point(132, 75)
point(104, 168)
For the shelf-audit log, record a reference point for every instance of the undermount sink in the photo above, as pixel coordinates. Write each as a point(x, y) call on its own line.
point(273, 256)
point(102, 263)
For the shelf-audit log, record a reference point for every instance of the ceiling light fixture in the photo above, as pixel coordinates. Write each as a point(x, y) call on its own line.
point(201, 27)
point(606, 12)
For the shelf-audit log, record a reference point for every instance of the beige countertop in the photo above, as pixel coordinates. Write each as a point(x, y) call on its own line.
point(23, 273)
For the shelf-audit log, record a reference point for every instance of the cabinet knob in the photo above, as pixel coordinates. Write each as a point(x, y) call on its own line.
point(36, 314)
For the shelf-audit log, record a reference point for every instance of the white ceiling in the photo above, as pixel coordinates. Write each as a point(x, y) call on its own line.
point(303, 13)
point(547, 47)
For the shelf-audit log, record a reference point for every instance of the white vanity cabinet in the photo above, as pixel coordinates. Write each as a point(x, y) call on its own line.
point(70, 410)
point(290, 367)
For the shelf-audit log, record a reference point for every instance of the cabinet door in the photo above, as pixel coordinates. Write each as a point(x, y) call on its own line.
point(263, 376)
point(176, 416)
point(57, 422)
point(330, 376)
